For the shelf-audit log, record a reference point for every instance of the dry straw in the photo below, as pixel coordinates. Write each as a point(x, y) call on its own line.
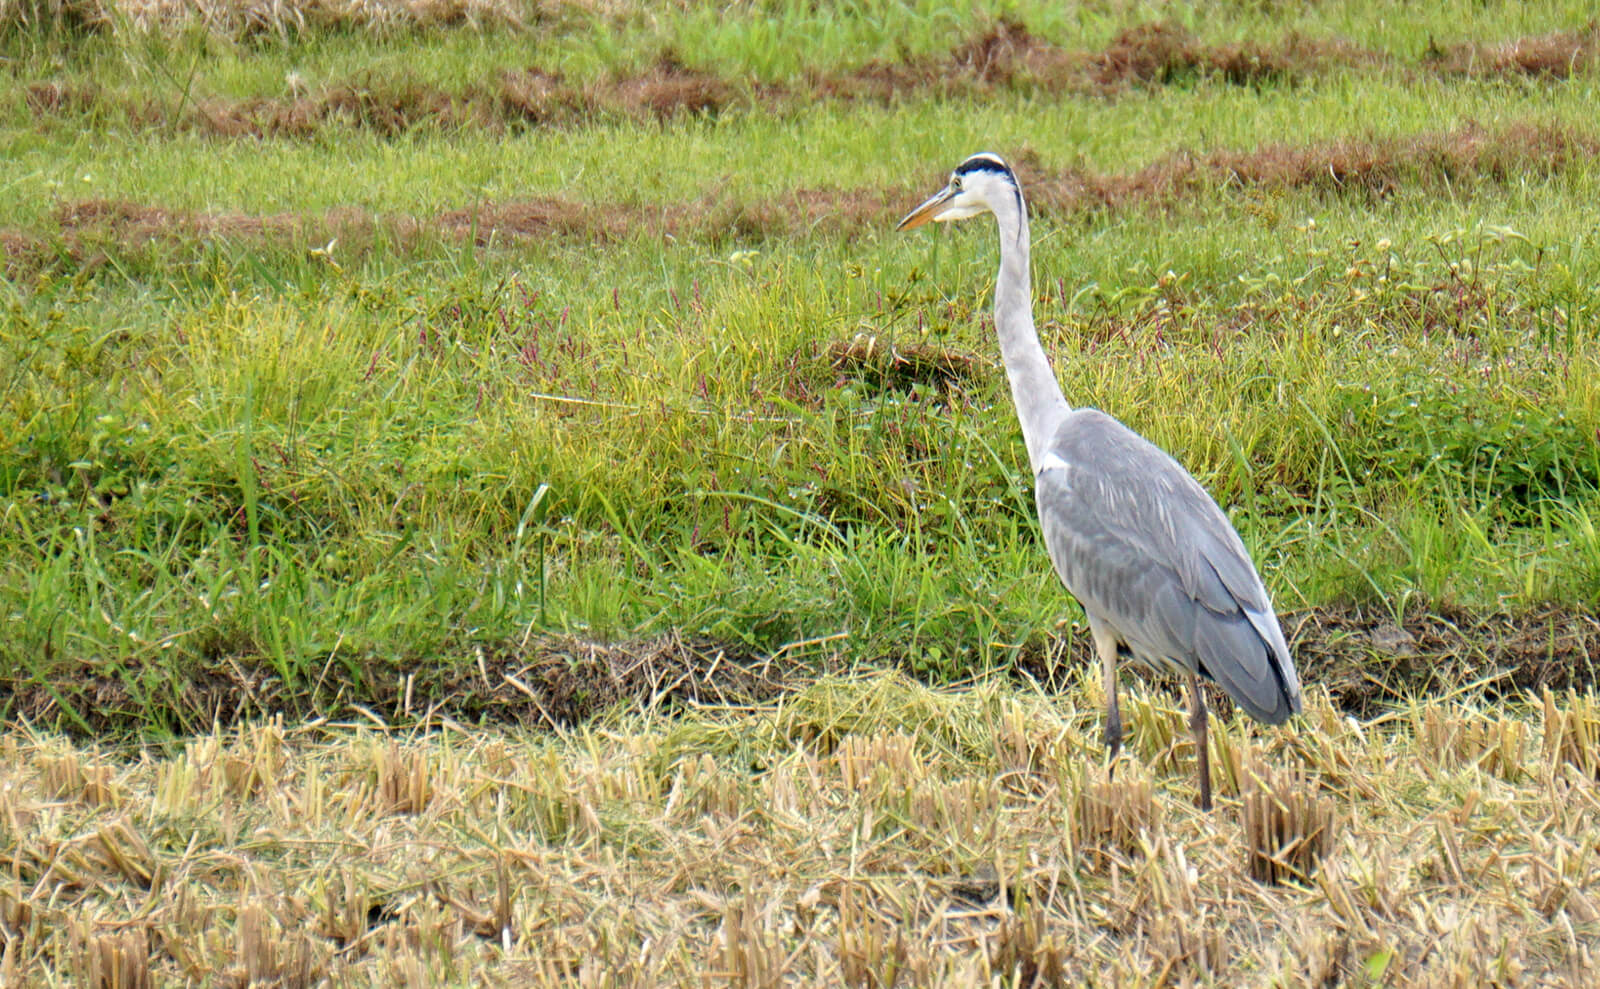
point(862, 831)
point(1112, 817)
point(1572, 732)
point(116, 960)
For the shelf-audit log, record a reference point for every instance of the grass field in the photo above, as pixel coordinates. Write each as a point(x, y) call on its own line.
point(486, 497)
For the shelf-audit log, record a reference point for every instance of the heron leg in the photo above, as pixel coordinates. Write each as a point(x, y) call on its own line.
point(1105, 643)
point(1197, 724)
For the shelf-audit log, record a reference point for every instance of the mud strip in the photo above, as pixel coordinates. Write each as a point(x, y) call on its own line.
point(1364, 659)
point(1369, 662)
point(1006, 57)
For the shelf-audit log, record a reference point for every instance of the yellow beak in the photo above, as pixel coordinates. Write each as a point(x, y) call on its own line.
point(927, 211)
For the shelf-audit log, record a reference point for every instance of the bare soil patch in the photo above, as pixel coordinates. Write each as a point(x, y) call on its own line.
point(1365, 660)
point(1368, 661)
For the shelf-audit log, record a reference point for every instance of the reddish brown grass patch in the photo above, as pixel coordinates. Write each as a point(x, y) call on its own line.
point(1379, 167)
point(1166, 53)
point(1007, 55)
point(1557, 55)
point(536, 219)
point(542, 97)
point(44, 98)
point(1004, 56)
point(671, 88)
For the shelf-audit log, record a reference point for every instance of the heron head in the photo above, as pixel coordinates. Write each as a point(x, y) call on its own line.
point(974, 187)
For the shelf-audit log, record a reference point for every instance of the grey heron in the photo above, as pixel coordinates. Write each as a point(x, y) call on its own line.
point(1159, 570)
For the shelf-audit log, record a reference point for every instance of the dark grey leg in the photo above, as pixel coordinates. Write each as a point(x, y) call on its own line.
point(1197, 724)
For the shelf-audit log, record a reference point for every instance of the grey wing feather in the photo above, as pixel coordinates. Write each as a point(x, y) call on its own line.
point(1147, 551)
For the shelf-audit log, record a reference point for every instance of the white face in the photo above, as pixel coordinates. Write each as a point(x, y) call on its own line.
point(966, 195)
point(970, 195)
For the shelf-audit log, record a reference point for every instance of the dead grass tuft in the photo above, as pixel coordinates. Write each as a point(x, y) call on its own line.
point(1288, 827)
point(1026, 952)
point(1458, 737)
point(402, 783)
point(749, 954)
point(901, 366)
point(268, 952)
point(874, 953)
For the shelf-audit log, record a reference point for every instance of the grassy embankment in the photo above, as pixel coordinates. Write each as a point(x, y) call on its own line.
point(327, 390)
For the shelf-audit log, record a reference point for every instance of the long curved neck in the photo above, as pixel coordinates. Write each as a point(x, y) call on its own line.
point(1034, 389)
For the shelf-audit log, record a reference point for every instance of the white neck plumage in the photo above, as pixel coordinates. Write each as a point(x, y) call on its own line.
point(1034, 389)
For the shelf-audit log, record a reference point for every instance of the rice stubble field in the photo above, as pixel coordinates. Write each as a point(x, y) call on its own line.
point(485, 497)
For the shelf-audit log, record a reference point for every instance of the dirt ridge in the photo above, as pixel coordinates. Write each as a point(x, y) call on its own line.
point(1003, 57)
point(1372, 167)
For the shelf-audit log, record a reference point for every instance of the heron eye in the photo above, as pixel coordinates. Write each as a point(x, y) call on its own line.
point(955, 182)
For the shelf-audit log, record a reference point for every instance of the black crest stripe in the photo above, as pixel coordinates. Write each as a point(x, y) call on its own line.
point(982, 163)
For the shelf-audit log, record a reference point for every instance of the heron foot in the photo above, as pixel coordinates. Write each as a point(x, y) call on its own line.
point(1113, 738)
